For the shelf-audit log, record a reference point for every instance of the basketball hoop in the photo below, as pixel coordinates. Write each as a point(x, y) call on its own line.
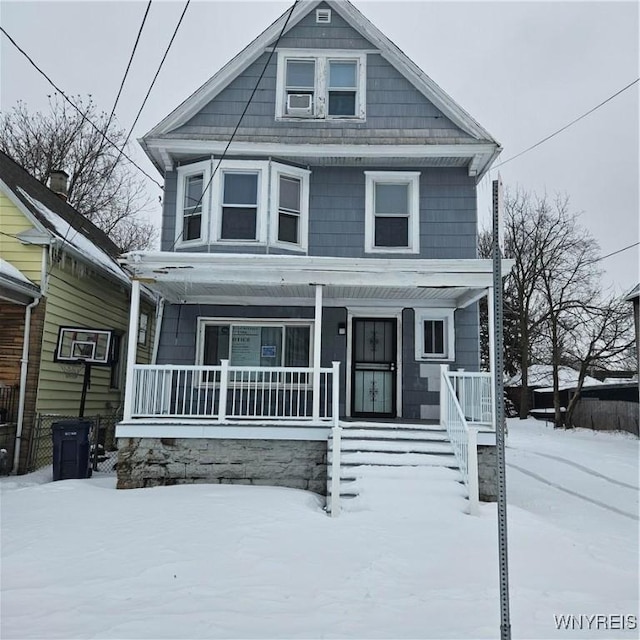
point(72, 370)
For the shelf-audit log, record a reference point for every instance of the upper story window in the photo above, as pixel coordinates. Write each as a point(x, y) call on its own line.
point(234, 205)
point(392, 212)
point(321, 84)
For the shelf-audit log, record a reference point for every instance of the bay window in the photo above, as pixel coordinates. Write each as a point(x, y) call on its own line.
point(242, 202)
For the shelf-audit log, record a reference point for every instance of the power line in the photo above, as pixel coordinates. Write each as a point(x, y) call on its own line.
point(82, 115)
point(613, 253)
point(106, 128)
point(246, 108)
point(555, 133)
point(144, 102)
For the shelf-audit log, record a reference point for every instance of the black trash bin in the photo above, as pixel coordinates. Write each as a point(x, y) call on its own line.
point(71, 447)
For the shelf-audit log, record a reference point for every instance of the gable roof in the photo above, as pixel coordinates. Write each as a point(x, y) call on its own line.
point(389, 51)
point(57, 219)
point(634, 293)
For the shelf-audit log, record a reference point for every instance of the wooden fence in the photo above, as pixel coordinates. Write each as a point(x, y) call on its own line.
point(607, 415)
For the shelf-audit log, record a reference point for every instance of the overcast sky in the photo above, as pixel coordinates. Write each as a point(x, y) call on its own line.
point(522, 69)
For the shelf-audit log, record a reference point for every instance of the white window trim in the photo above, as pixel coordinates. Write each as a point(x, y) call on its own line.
point(303, 231)
point(447, 315)
point(267, 220)
point(412, 178)
point(183, 173)
point(322, 58)
point(261, 168)
point(260, 322)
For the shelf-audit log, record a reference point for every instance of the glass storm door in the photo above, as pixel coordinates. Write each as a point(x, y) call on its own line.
point(373, 385)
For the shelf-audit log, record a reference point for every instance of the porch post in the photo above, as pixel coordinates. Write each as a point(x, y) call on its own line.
point(492, 355)
point(132, 346)
point(317, 343)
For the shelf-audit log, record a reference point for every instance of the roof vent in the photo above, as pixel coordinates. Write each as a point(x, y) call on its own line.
point(323, 16)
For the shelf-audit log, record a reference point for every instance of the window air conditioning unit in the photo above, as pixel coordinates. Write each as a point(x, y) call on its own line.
point(300, 104)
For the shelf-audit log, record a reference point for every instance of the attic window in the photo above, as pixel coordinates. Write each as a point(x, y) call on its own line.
point(323, 16)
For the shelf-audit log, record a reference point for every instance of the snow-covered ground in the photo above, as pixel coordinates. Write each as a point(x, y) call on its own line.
point(82, 560)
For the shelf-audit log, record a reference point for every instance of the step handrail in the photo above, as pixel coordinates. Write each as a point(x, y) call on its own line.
point(463, 438)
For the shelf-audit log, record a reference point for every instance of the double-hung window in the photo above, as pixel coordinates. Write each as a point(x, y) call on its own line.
point(321, 84)
point(434, 334)
point(242, 202)
point(239, 207)
point(193, 202)
point(392, 216)
point(342, 88)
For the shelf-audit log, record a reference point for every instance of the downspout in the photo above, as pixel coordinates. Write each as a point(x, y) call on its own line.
point(24, 362)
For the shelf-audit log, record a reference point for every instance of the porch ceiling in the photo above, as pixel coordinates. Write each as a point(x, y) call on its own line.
point(247, 279)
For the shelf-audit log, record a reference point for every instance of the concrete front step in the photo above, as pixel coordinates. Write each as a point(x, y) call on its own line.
point(395, 446)
point(391, 426)
point(387, 459)
point(394, 434)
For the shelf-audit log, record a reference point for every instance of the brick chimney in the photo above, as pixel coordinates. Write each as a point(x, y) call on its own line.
point(58, 182)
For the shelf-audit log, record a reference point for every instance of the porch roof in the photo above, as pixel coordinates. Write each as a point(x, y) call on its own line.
point(182, 277)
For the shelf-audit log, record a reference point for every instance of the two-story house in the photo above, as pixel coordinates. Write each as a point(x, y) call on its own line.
point(318, 260)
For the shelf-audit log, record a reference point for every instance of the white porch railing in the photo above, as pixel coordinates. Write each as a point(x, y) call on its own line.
point(462, 436)
point(474, 391)
point(226, 392)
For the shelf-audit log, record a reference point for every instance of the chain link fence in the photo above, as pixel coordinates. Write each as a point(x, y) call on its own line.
point(104, 451)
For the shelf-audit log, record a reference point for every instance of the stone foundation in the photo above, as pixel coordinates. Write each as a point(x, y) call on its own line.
point(487, 473)
point(151, 462)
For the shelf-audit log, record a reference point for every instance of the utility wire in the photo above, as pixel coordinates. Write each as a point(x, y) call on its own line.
point(106, 129)
point(144, 102)
point(82, 115)
point(555, 133)
point(613, 253)
point(246, 108)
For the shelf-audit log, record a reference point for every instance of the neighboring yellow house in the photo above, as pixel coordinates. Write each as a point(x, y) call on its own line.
point(57, 269)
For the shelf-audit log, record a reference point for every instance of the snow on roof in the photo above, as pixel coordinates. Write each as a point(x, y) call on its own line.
point(7, 269)
point(541, 375)
point(75, 239)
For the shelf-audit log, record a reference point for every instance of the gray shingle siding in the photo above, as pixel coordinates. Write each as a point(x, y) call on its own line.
point(397, 112)
point(179, 334)
point(337, 214)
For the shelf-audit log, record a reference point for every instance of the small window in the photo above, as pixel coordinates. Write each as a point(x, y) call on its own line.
point(392, 212)
point(342, 87)
point(434, 334)
point(239, 206)
point(192, 203)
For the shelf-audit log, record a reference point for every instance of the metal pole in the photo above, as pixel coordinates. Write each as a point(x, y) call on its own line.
point(505, 622)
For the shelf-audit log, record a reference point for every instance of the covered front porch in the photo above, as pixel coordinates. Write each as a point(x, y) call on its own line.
point(283, 348)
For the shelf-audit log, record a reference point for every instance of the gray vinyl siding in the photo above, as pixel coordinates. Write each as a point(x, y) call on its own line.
point(336, 35)
point(337, 215)
point(179, 334)
point(415, 389)
point(397, 112)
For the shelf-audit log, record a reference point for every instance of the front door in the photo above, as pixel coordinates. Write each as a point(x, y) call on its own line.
point(373, 367)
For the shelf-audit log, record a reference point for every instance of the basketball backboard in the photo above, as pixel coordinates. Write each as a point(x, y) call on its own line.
point(77, 344)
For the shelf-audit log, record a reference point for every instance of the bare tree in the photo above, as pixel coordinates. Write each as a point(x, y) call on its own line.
point(603, 333)
point(102, 186)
